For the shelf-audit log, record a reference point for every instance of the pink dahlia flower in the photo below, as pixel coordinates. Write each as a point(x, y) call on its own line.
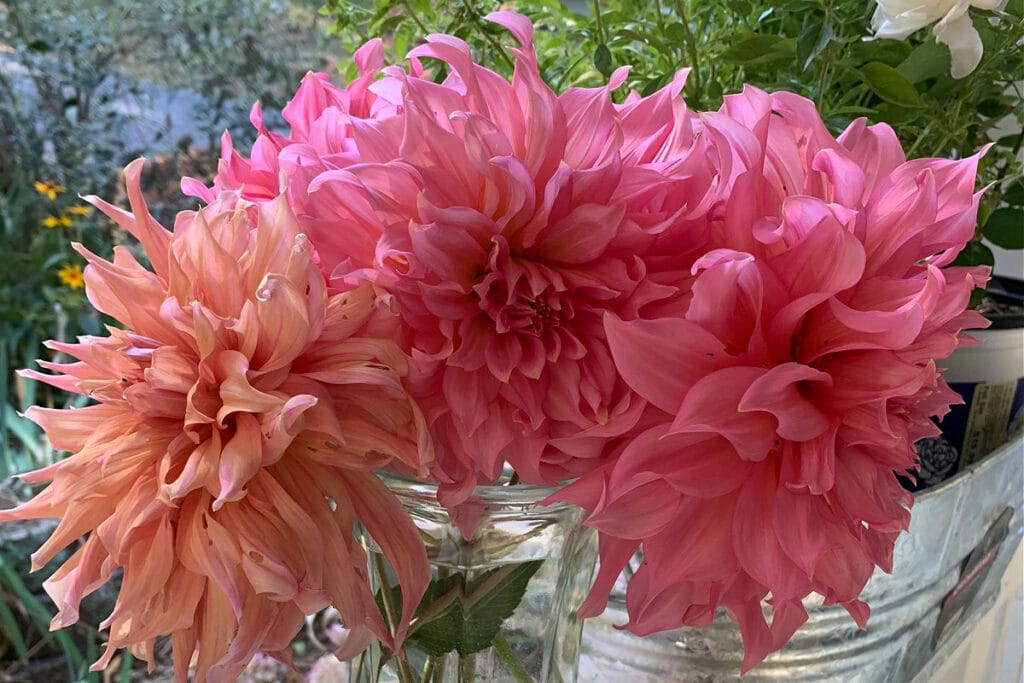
point(793, 380)
point(240, 415)
point(510, 223)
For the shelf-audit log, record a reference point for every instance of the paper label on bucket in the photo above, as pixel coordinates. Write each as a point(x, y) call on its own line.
point(990, 411)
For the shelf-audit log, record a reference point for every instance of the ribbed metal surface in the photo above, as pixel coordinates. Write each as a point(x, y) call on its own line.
point(948, 522)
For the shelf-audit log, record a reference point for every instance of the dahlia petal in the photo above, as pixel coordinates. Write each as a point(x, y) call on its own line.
point(698, 523)
point(692, 464)
point(81, 574)
point(216, 626)
point(712, 405)
point(69, 430)
point(284, 323)
point(503, 354)
point(782, 392)
point(827, 260)
point(817, 461)
point(860, 376)
point(454, 253)
point(757, 640)
point(398, 537)
point(582, 235)
point(154, 238)
point(805, 528)
point(756, 542)
point(237, 395)
point(198, 471)
point(657, 372)
point(614, 555)
point(240, 459)
point(635, 514)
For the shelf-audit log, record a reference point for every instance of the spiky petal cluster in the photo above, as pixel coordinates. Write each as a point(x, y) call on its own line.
point(793, 380)
point(241, 413)
point(510, 223)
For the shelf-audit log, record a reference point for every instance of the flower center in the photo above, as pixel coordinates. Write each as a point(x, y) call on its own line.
point(522, 308)
point(544, 316)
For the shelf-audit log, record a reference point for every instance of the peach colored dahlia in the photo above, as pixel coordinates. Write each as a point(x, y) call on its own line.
point(793, 380)
point(239, 416)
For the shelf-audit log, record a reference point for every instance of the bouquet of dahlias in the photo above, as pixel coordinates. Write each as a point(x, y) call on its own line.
point(719, 330)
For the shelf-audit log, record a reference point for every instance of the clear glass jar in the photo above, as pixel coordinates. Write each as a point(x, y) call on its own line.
point(501, 551)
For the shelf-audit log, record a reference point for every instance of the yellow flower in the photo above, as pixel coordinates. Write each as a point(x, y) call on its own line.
point(79, 210)
point(50, 189)
point(62, 221)
point(72, 276)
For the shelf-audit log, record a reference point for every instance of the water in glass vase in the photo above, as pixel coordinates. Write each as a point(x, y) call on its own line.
point(508, 577)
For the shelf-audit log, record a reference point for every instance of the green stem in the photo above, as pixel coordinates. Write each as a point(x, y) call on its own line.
point(557, 87)
point(439, 666)
point(921, 138)
point(508, 657)
point(467, 668)
point(404, 673)
point(661, 22)
point(600, 25)
point(409, 12)
point(359, 667)
point(691, 48)
point(428, 670)
point(495, 45)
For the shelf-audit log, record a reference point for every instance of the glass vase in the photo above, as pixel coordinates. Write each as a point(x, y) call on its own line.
point(508, 576)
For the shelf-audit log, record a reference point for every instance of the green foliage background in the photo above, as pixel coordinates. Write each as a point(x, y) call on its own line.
point(816, 48)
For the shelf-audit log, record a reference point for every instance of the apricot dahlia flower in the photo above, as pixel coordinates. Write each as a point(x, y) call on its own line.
point(240, 415)
point(793, 382)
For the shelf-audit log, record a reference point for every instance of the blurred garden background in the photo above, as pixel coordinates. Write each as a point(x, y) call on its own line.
point(88, 85)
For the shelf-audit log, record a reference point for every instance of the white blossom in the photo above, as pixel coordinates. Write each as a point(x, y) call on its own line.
point(897, 19)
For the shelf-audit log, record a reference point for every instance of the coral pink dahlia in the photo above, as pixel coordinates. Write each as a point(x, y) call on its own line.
point(240, 415)
point(793, 382)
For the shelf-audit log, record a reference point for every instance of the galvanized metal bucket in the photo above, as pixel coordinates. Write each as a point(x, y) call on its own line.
point(946, 575)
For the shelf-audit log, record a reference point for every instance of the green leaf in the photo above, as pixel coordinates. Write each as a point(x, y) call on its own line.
point(1005, 228)
point(811, 41)
point(676, 33)
point(1014, 195)
point(127, 661)
point(387, 25)
point(1015, 7)
point(760, 49)
point(12, 632)
point(41, 616)
point(891, 52)
point(473, 617)
point(891, 85)
point(603, 60)
point(493, 603)
point(975, 254)
point(928, 60)
point(396, 601)
point(441, 633)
